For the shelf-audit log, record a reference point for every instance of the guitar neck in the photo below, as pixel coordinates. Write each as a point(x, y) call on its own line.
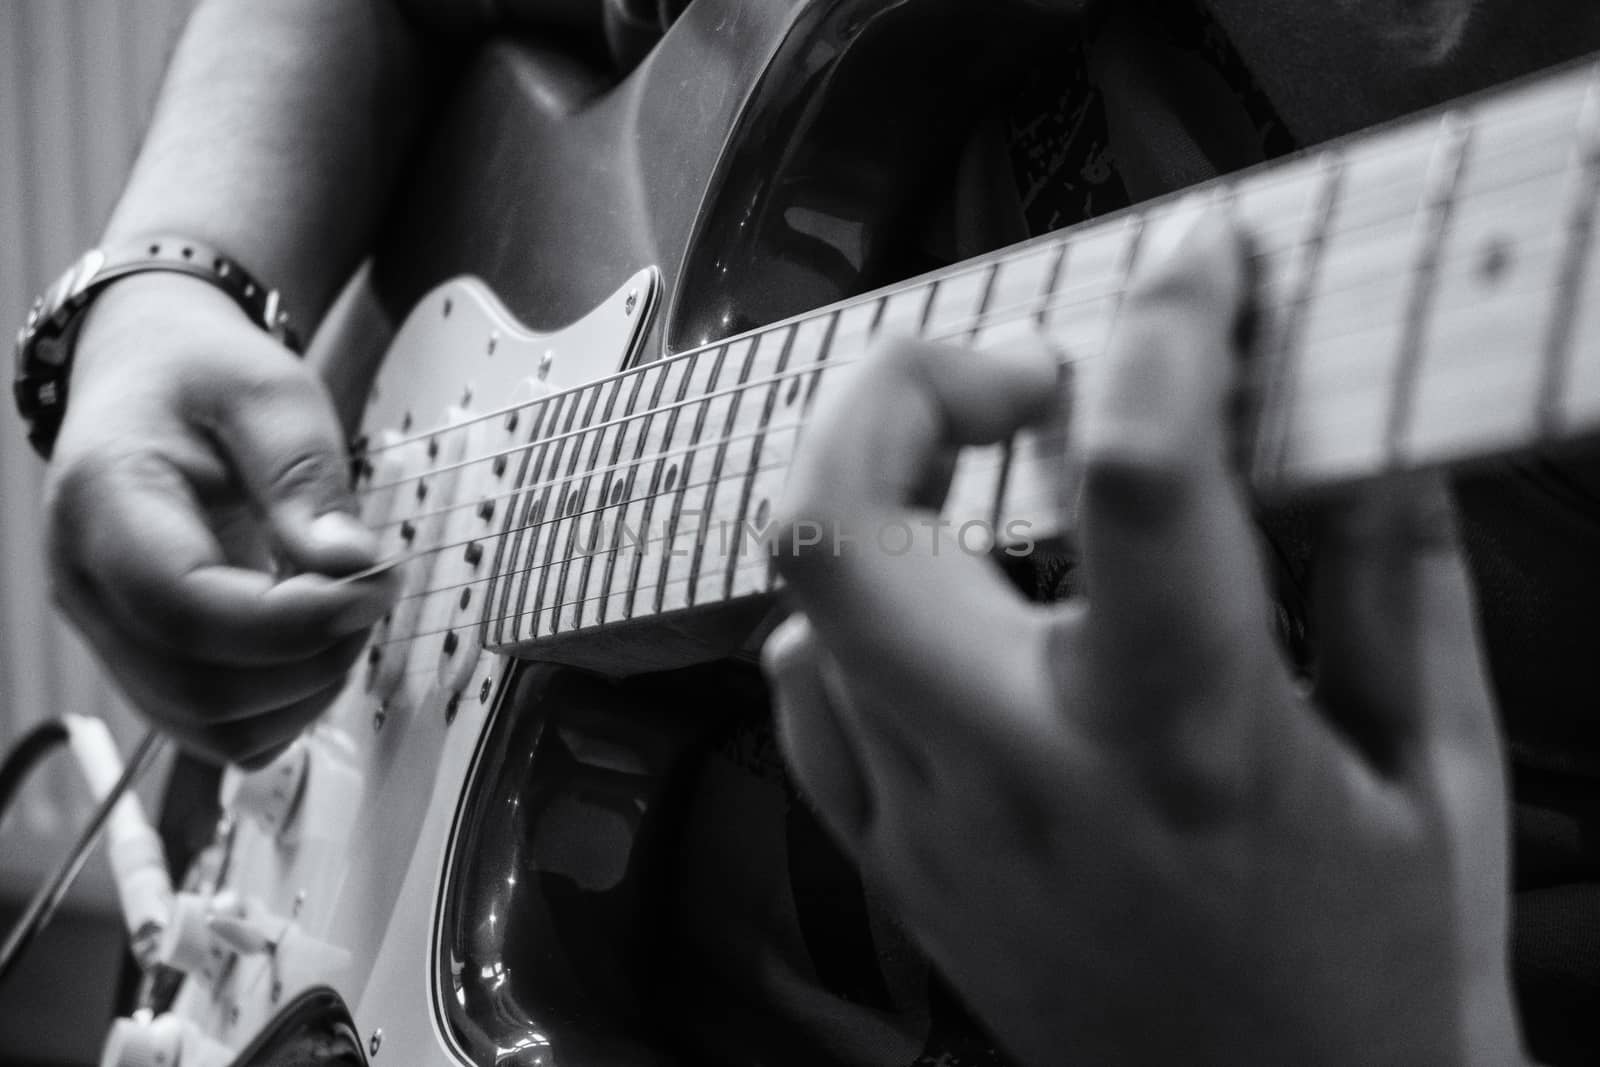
point(1429, 295)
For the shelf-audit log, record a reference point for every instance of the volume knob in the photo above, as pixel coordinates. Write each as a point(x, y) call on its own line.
point(269, 796)
point(189, 944)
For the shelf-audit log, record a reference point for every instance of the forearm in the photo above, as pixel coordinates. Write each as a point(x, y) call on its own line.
point(279, 130)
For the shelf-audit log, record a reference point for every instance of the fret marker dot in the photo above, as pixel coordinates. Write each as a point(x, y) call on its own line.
point(486, 510)
point(499, 466)
point(474, 553)
point(408, 532)
point(422, 490)
point(762, 512)
point(672, 477)
point(1494, 261)
point(433, 448)
point(466, 597)
point(450, 643)
point(511, 423)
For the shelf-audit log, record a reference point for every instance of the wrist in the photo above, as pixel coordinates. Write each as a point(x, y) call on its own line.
point(132, 310)
point(47, 347)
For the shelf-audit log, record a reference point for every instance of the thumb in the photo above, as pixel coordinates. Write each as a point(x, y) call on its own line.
point(287, 449)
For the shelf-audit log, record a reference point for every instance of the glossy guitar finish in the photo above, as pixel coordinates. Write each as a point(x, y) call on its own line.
point(768, 157)
point(438, 873)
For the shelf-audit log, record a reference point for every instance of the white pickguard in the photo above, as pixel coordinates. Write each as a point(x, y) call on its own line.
point(360, 878)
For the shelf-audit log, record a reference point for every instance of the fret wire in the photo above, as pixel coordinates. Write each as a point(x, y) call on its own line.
point(983, 301)
point(1364, 388)
point(994, 316)
point(631, 592)
point(1272, 438)
point(1439, 195)
point(1130, 260)
point(929, 295)
point(745, 563)
point(1281, 173)
point(972, 339)
point(795, 426)
point(607, 480)
point(629, 482)
point(1556, 368)
point(570, 499)
point(821, 363)
point(566, 496)
point(582, 503)
point(878, 307)
point(512, 523)
point(570, 448)
point(717, 463)
point(684, 474)
point(554, 493)
point(523, 507)
point(1061, 244)
point(1040, 316)
point(747, 486)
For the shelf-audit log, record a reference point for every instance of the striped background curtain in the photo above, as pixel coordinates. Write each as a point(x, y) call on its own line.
point(77, 82)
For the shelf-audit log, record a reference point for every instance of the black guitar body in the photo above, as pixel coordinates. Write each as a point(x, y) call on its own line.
point(769, 156)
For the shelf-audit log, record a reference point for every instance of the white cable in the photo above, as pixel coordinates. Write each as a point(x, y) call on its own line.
point(138, 862)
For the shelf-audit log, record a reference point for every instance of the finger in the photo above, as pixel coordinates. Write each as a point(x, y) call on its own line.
point(1174, 581)
point(826, 760)
point(135, 525)
point(1399, 664)
point(287, 448)
point(186, 694)
point(891, 602)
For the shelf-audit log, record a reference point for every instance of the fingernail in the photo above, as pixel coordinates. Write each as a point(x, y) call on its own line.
point(786, 640)
point(337, 529)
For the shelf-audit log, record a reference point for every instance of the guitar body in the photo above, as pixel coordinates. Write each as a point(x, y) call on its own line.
point(613, 334)
point(459, 864)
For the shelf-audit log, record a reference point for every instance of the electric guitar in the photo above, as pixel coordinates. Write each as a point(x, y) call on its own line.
point(624, 304)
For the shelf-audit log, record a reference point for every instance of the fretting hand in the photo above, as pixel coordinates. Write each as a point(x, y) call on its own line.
point(1122, 827)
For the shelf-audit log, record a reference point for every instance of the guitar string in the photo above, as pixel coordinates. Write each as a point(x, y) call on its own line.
point(748, 562)
point(619, 550)
point(557, 608)
point(622, 508)
point(638, 464)
point(1069, 298)
point(1236, 186)
point(1557, 98)
point(1473, 263)
point(693, 447)
point(1247, 390)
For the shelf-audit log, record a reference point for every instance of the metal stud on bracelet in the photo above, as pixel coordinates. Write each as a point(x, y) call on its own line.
point(48, 335)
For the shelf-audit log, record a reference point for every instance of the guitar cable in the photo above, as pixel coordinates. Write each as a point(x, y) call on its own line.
point(137, 860)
